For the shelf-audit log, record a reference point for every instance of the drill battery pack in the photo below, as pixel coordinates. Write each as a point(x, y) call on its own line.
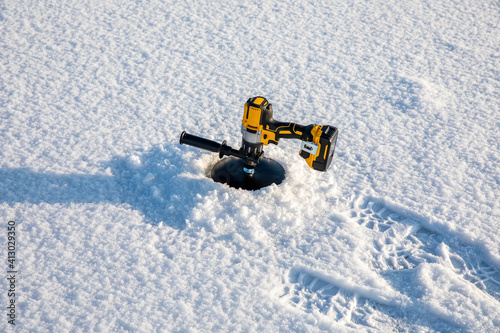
point(318, 152)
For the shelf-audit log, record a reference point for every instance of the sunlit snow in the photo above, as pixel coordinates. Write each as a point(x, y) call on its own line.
point(118, 227)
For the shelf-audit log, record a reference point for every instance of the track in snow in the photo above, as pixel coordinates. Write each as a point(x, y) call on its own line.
point(403, 243)
point(400, 242)
point(311, 293)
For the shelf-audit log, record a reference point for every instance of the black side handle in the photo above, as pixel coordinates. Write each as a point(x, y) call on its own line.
point(222, 148)
point(196, 141)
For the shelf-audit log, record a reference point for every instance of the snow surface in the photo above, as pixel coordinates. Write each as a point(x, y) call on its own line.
point(119, 228)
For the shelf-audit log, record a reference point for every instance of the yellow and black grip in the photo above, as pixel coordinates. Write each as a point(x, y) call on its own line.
point(277, 130)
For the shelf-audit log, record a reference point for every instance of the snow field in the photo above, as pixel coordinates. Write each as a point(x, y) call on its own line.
point(120, 229)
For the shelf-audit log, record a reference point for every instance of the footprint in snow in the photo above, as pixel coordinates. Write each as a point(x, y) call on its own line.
point(401, 242)
point(311, 293)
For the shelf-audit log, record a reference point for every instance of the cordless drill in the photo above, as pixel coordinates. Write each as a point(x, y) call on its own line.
point(259, 128)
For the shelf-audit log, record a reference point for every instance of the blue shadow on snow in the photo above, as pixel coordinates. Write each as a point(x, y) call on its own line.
point(156, 183)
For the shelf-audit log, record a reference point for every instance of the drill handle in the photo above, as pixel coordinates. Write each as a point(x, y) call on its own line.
point(202, 143)
point(276, 130)
point(222, 148)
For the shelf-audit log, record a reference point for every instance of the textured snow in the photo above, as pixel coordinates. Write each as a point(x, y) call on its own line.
point(120, 229)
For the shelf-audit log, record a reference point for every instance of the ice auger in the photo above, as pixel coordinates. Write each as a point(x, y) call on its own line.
point(246, 167)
